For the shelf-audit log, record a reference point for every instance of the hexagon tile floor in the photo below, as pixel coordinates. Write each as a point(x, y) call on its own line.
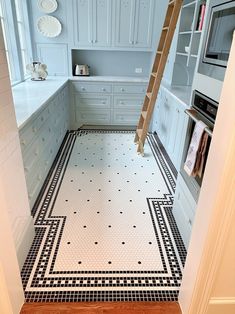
point(104, 227)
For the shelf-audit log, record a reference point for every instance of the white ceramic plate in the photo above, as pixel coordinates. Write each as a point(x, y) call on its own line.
point(49, 26)
point(47, 6)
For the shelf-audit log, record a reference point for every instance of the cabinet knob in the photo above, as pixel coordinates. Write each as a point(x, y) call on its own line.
point(103, 102)
point(103, 89)
point(43, 139)
point(36, 153)
point(190, 222)
point(121, 102)
point(26, 169)
point(122, 89)
point(34, 129)
point(23, 142)
point(83, 88)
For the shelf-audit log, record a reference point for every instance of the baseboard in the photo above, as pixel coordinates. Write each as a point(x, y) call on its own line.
point(221, 305)
point(23, 233)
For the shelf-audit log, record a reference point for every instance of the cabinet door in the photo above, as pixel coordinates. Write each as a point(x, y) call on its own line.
point(82, 22)
point(101, 23)
point(125, 19)
point(166, 111)
point(143, 23)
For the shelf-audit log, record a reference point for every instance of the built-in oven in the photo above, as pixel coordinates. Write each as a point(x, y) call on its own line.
point(203, 109)
point(217, 40)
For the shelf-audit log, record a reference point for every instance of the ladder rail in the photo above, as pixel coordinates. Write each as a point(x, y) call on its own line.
point(158, 67)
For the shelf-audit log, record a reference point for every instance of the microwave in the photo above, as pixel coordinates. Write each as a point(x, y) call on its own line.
point(217, 39)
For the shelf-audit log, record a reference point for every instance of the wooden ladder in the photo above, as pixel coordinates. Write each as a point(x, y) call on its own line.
point(164, 45)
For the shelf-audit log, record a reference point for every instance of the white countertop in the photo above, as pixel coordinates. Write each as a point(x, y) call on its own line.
point(30, 96)
point(120, 79)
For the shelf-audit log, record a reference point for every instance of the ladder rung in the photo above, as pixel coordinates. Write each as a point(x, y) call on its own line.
point(171, 2)
point(149, 95)
point(165, 28)
point(159, 52)
point(139, 132)
point(144, 114)
point(154, 74)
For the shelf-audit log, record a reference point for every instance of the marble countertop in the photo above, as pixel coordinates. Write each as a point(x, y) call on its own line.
point(30, 96)
point(126, 79)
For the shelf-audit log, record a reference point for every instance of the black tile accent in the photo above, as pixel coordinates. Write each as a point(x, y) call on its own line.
point(49, 230)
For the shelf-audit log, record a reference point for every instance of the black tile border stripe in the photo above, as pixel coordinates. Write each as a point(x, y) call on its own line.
point(58, 222)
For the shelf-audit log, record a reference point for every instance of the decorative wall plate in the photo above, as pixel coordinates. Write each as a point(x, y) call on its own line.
point(47, 6)
point(49, 26)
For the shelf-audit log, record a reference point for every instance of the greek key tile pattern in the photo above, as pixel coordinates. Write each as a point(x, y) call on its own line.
point(104, 227)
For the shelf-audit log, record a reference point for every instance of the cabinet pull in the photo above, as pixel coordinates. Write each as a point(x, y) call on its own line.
point(190, 222)
point(103, 102)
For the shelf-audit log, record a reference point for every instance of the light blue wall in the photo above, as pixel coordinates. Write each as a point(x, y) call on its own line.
point(102, 62)
point(117, 63)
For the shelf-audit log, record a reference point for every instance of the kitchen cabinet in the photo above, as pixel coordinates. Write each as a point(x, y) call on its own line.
point(170, 123)
point(40, 139)
point(134, 23)
point(102, 103)
point(184, 208)
point(92, 23)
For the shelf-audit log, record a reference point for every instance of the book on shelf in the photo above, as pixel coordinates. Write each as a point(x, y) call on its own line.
point(201, 16)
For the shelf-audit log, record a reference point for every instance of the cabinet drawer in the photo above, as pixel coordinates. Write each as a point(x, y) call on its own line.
point(128, 102)
point(92, 87)
point(93, 116)
point(129, 89)
point(89, 101)
point(126, 118)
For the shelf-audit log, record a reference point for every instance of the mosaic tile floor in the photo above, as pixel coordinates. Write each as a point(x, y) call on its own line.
point(104, 227)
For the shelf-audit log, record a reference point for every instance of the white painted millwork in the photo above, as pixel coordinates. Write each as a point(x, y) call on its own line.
point(41, 138)
point(107, 102)
point(13, 199)
point(208, 280)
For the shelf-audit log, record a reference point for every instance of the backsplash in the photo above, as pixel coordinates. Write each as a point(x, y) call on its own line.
point(114, 63)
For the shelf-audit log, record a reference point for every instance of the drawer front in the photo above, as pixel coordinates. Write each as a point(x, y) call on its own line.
point(128, 102)
point(129, 89)
point(94, 116)
point(92, 88)
point(126, 118)
point(89, 101)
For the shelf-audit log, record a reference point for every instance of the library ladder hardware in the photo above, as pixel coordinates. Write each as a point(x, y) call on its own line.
point(164, 45)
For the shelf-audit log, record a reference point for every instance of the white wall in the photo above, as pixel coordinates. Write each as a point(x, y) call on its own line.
point(209, 275)
point(16, 228)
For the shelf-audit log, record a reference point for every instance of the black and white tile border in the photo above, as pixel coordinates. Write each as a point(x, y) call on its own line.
point(70, 286)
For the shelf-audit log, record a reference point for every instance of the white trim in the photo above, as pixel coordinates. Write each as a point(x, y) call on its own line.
point(216, 207)
point(223, 301)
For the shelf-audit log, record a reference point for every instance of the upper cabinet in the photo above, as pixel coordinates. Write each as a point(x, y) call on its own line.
point(92, 23)
point(134, 23)
point(117, 25)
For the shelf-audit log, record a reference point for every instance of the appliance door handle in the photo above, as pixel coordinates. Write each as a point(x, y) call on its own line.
point(193, 115)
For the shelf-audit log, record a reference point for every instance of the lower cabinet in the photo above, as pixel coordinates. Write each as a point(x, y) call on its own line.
point(170, 123)
point(40, 140)
point(184, 208)
point(103, 103)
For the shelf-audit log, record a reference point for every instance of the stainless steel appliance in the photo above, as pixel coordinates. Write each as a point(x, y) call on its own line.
point(217, 39)
point(81, 70)
point(204, 109)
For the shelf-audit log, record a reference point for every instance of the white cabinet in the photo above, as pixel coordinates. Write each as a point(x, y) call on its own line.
point(184, 208)
point(170, 123)
point(134, 23)
point(40, 140)
point(103, 103)
point(92, 23)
